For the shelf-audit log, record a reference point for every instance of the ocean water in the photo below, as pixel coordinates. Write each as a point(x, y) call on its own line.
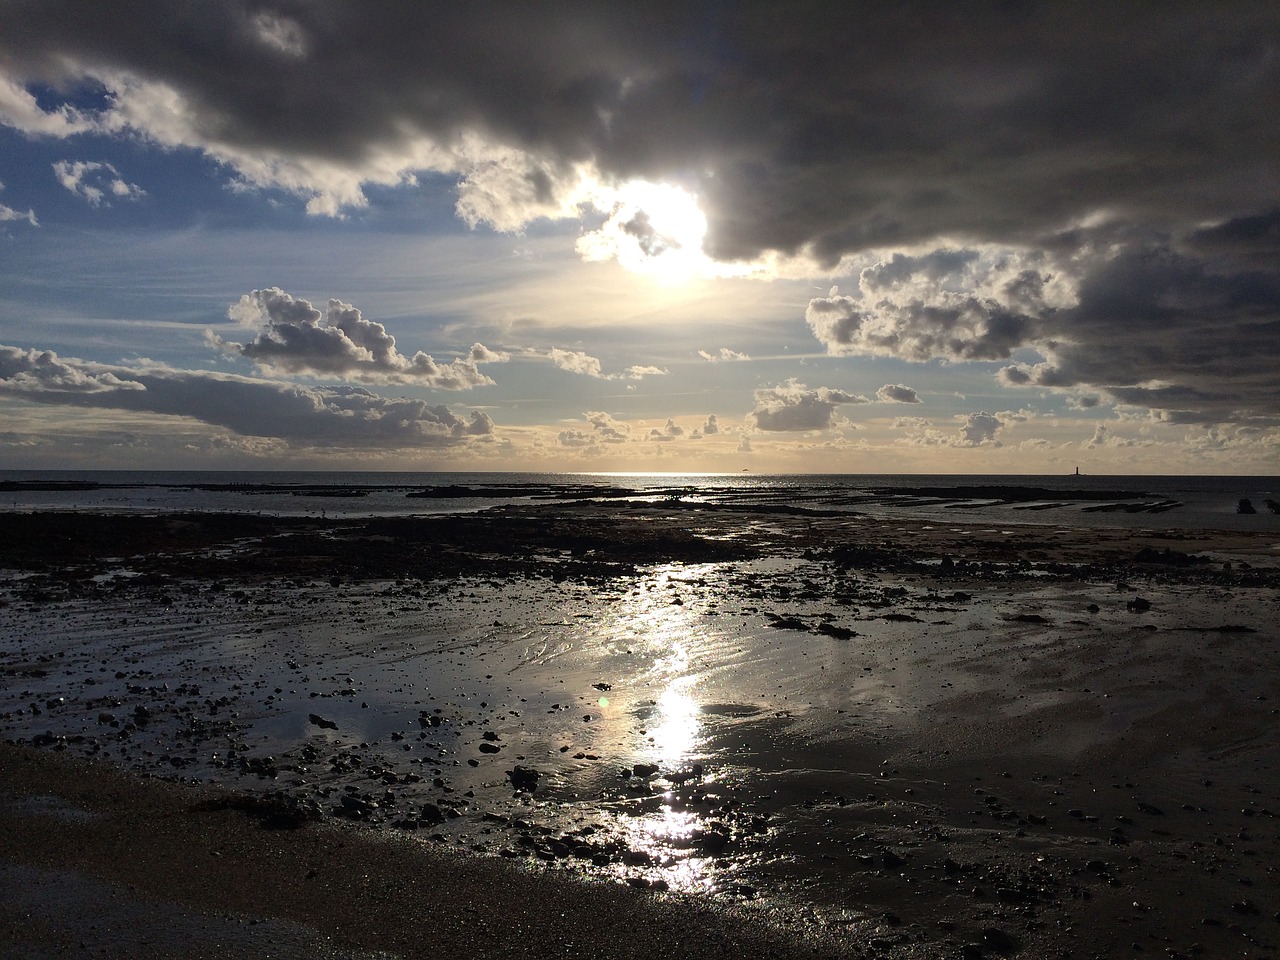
point(1137, 502)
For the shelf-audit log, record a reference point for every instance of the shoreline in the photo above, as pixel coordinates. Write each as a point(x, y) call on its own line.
point(915, 738)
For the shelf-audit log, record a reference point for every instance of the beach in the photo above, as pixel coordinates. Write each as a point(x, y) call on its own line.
point(693, 726)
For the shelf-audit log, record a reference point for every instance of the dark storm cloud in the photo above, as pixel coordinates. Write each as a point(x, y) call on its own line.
point(335, 416)
point(844, 127)
point(1156, 328)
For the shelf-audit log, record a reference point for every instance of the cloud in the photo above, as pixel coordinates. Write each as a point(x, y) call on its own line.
point(935, 121)
point(607, 429)
point(1096, 196)
point(1136, 321)
point(954, 304)
point(898, 393)
point(342, 416)
point(794, 407)
point(8, 214)
point(1162, 329)
point(41, 374)
point(711, 427)
point(672, 431)
point(481, 354)
point(576, 361)
point(640, 372)
point(575, 438)
point(723, 355)
point(1085, 401)
point(95, 182)
point(979, 429)
point(604, 429)
point(296, 338)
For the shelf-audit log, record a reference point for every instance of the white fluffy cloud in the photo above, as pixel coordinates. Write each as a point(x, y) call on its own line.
point(296, 338)
point(607, 429)
point(342, 416)
point(671, 431)
point(577, 361)
point(95, 182)
point(981, 428)
point(794, 407)
point(724, 355)
point(8, 214)
point(954, 304)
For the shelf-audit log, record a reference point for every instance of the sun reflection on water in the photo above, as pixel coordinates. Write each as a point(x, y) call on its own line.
point(663, 813)
point(675, 730)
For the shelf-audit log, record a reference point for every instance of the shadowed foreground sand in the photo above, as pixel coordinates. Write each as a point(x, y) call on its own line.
point(96, 863)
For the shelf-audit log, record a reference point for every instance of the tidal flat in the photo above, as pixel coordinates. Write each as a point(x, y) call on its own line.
point(839, 734)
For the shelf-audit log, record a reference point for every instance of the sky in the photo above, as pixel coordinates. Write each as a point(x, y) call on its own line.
point(1008, 238)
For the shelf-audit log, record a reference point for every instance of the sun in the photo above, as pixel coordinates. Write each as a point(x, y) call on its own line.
point(652, 228)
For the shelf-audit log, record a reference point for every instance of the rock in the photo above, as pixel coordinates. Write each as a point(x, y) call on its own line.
point(487, 747)
point(840, 633)
point(523, 778)
point(319, 721)
point(355, 808)
point(431, 813)
point(993, 938)
point(644, 770)
point(1245, 506)
point(1138, 605)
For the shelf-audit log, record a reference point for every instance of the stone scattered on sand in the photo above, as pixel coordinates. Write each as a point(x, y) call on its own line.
point(523, 778)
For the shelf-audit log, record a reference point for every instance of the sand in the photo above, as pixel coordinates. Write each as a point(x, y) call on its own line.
point(841, 734)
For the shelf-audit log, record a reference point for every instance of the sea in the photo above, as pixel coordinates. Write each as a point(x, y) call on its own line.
point(1138, 502)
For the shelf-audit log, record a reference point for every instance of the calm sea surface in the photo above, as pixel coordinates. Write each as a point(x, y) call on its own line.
point(1197, 502)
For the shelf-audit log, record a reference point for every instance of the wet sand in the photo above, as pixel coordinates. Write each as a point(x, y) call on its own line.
point(899, 739)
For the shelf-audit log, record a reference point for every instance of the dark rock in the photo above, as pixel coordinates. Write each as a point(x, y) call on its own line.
point(993, 938)
point(431, 813)
point(523, 778)
point(319, 721)
point(840, 633)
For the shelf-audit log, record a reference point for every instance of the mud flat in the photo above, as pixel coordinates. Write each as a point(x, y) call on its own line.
point(637, 728)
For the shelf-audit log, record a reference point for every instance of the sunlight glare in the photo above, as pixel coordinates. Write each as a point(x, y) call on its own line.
point(652, 228)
